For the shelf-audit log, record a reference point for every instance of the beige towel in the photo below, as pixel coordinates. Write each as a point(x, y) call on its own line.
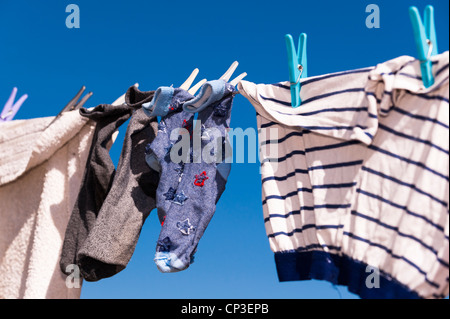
point(40, 175)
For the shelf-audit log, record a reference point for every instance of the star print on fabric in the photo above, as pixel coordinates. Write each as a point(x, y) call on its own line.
point(164, 245)
point(179, 198)
point(168, 148)
point(205, 133)
point(179, 170)
point(186, 125)
point(200, 179)
point(162, 126)
point(220, 110)
point(170, 194)
point(185, 227)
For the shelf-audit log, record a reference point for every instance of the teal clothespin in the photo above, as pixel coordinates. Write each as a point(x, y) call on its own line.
point(297, 66)
point(426, 42)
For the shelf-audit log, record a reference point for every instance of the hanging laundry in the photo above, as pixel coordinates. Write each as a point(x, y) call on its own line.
point(41, 170)
point(356, 179)
point(200, 181)
point(97, 180)
point(110, 244)
point(168, 104)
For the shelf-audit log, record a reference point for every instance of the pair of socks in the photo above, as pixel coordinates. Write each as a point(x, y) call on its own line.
point(113, 205)
point(189, 190)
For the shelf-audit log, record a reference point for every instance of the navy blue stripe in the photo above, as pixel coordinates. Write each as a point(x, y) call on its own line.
point(309, 190)
point(318, 97)
point(291, 213)
point(378, 222)
point(332, 206)
point(285, 177)
point(389, 251)
point(336, 165)
point(312, 246)
point(314, 149)
point(283, 197)
point(373, 94)
point(407, 160)
point(412, 186)
point(309, 208)
point(412, 76)
point(412, 138)
point(369, 135)
point(276, 101)
point(340, 185)
point(299, 152)
point(331, 146)
point(428, 97)
point(334, 109)
point(268, 124)
point(441, 69)
point(284, 138)
point(308, 226)
point(376, 98)
point(402, 207)
point(314, 98)
point(327, 76)
point(309, 81)
point(329, 128)
point(419, 117)
point(287, 87)
point(282, 159)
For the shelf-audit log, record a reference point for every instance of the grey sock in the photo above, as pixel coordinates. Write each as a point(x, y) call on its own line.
point(97, 180)
point(203, 180)
point(111, 243)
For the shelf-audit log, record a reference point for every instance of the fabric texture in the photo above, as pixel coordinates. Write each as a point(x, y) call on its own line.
point(355, 181)
point(193, 203)
point(97, 180)
point(175, 126)
point(41, 170)
point(111, 242)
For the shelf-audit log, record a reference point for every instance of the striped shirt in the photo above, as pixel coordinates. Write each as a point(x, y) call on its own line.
point(355, 181)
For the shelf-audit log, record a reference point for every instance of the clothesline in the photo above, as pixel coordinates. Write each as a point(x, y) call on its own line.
point(345, 189)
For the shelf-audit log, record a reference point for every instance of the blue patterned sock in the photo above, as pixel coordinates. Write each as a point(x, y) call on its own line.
point(203, 180)
point(168, 104)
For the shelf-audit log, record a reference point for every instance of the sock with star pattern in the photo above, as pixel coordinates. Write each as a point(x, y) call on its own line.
point(161, 154)
point(203, 180)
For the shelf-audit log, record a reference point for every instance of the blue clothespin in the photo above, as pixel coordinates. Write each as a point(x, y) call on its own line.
point(426, 42)
point(297, 66)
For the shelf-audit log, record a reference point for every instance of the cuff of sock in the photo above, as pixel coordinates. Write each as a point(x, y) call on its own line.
point(159, 105)
point(93, 269)
point(210, 92)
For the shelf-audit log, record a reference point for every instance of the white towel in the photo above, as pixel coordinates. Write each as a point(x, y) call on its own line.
point(41, 169)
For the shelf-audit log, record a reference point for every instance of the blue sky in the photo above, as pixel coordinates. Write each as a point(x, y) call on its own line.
point(159, 43)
